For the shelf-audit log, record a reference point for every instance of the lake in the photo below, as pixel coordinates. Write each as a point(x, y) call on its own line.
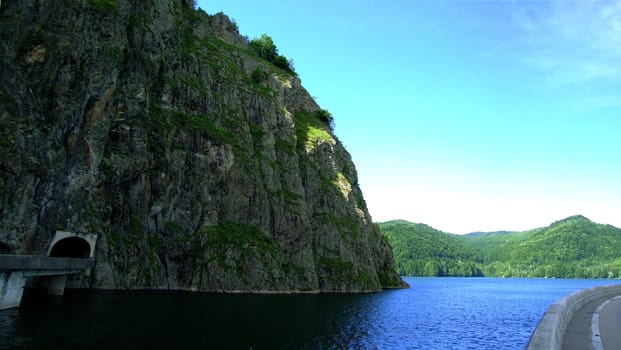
point(435, 313)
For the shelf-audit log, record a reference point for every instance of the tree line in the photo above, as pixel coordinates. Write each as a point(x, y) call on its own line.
point(571, 248)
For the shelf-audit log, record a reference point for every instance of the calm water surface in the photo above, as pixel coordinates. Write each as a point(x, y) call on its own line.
point(435, 313)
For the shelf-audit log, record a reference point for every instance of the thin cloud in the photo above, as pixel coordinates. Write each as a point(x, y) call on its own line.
point(571, 42)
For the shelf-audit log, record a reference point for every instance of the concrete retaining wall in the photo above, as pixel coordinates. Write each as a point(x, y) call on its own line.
point(38, 263)
point(551, 328)
point(11, 288)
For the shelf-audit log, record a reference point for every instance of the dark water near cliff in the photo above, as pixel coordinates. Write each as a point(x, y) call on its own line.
point(436, 313)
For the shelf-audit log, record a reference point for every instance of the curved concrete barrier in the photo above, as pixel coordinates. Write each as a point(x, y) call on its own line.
point(551, 328)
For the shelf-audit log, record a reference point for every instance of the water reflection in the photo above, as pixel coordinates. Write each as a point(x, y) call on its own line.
point(350, 327)
point(8, 320)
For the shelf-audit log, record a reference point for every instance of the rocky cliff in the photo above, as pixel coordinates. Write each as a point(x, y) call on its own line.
point(198, 164)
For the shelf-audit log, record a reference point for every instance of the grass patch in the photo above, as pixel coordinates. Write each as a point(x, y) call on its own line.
point(174, 226)
point(364, 279)
point(222, 58)
point(344, 224)
point(107, 7)
point(336, 265)
point(283, 145)
point(205, 123)
point(163, 120)
point(196, 84)
point(5, 96)
point(290, 198)
point(342, 184)
point(238, 236)
point(257, 133)
point(190, 45)
point(311, 131)
point(245, 239)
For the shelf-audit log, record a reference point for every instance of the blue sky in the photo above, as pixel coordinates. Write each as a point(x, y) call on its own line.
point(463, 115)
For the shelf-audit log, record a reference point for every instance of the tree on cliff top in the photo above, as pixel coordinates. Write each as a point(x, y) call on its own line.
point(264, 47)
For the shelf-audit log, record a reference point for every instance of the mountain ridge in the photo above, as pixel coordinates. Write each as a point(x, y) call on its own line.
point(570, 247)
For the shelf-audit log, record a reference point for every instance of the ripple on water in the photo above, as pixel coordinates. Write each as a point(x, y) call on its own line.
point(435, 313)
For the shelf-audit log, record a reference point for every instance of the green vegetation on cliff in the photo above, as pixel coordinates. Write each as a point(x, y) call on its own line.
point(264, 47)
point(571, 248)
point(194, 154)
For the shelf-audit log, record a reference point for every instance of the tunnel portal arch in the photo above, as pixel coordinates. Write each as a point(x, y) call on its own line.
point(72, 245)
point(5, 248)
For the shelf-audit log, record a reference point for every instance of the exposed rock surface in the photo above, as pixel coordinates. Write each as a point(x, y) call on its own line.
point(144, 122)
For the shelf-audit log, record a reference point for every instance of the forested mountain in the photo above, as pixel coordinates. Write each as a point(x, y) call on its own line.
point(571, 248)
point(421, 250)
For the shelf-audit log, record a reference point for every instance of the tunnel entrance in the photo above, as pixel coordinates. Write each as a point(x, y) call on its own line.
point(71, 247)
point(4, 248)
point(67, 244)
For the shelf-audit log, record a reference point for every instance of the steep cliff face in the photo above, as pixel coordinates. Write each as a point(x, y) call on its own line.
point(198, 164)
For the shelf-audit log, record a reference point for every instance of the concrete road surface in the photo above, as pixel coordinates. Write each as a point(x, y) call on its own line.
point(579, 335)
point(610, 325)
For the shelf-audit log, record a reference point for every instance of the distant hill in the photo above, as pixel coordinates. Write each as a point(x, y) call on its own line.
point(574, 247)
point(421, 250)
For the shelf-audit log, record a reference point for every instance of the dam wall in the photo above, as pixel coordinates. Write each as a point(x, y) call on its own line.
point(549, 333)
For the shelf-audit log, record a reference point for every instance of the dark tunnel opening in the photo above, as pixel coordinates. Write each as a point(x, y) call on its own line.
point(71, 247)
point(4, 248)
